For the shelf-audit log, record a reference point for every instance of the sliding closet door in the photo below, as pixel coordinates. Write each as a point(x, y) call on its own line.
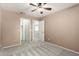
point(37, 30)
point(25, 30)
point(41, 30)
point(31, 30)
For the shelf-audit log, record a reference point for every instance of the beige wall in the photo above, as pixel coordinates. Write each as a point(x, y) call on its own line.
point(10, 28)
point(62, 28)
point(0, 27)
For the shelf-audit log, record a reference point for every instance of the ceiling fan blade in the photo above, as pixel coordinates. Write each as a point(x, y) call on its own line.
point(32, 4)
point(39, 4)
point(44, 3)
point(48, 8)
point(34, 10)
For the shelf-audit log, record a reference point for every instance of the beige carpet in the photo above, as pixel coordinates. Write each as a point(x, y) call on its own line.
point(36, 49)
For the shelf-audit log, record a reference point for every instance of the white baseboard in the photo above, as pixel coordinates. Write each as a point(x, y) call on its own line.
point(11, 46)
point(66, 48)
point(52, 43)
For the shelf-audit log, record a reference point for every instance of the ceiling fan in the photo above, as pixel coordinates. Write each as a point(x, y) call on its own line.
point(40, 6)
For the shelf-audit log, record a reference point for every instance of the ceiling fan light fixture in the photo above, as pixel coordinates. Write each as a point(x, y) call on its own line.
point(41, 12)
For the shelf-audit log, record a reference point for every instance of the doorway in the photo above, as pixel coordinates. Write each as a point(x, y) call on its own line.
point(31, 30)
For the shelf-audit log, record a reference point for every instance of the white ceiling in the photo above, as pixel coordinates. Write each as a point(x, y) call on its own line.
point(26, 8)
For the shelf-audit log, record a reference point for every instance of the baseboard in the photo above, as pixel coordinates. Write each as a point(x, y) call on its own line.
point(52, 43)
point(66, 48)
point(11, 46)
